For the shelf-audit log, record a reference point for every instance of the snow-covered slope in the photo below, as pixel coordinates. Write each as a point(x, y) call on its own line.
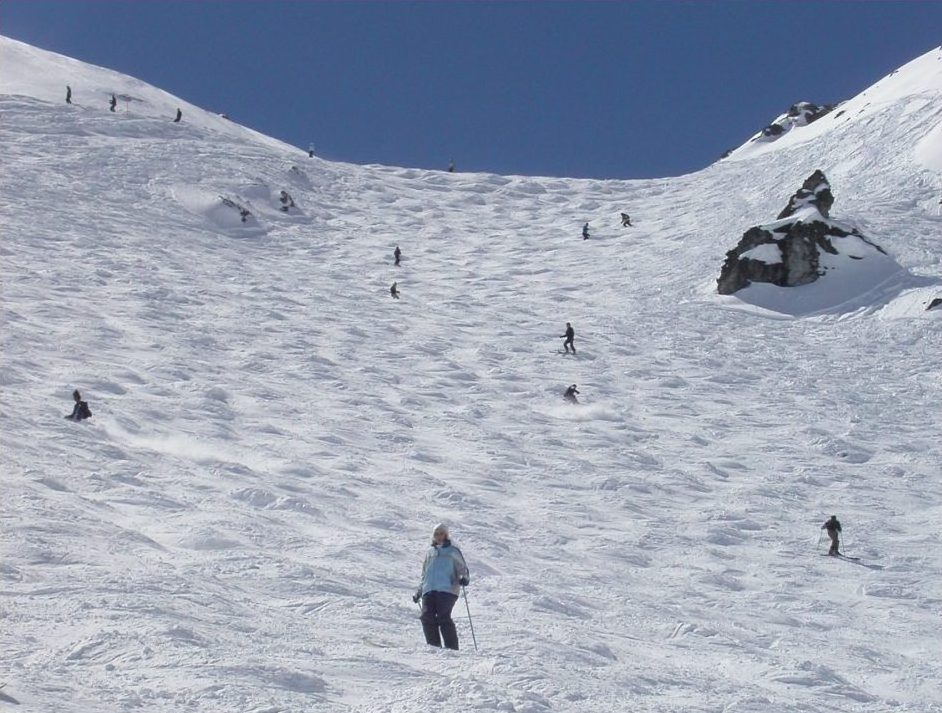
point(241, 523)
point(869, 116)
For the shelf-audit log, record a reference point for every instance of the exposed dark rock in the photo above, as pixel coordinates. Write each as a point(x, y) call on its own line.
point(809, 112)
point(793, 255)
point(798, 114)
point(814, 191)
point(935, 303)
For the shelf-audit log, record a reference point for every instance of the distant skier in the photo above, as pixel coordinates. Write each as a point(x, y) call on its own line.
point(833, 527)
point(397, 253)
point(585, 231)
point(68, 94)
point(451, 166)
point(444, 572)
point(179, 116)
point(394, 290)
point(114, 102)
point(570, 394)
point(569, 335)
point(626, 220)
point(287, 202)
point(80, 411)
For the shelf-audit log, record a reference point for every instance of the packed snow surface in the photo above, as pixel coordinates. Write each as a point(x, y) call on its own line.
point(240, 525)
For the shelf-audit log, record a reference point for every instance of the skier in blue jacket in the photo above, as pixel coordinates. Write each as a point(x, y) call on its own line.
point(444, 572)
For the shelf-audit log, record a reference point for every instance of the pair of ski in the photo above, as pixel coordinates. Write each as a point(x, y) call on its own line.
point(843, 557)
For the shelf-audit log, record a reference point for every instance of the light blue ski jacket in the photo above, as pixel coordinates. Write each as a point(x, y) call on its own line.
point(442, 569)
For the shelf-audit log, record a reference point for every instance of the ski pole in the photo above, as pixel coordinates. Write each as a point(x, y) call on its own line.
point(470, 623)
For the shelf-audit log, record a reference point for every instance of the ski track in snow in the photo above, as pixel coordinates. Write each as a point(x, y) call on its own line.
point(241, 524)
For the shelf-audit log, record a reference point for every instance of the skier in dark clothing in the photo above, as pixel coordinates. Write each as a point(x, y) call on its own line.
point(114, 102)
point(179, 116)
point(444, 572)
point(397, 253)
point(394, 290)
point(451, 166)
point(80, 411)
point(585, 231)
point(626, 220)
point(569, 335)
point(68, 94)
point(570, 394)
point(833, 526)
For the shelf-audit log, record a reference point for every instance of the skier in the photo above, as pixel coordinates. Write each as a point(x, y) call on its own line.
point(570, 394)
point(451, 166)
point(179, 116)
point(585, 231)
point(444, 571)
point(68, 94)
point(80, 411)
point(287, 202)
point(114, 102)
point(394, 290)
point(569, 335)
point(397, 253)
point(833, 527)
point(626, 220)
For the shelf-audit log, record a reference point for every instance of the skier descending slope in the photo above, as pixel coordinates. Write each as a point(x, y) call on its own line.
point(569, 335)
point(833, 527)
point(443, 573)
point(570, 394)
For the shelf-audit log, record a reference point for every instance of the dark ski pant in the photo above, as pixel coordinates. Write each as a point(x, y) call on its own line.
point(436, 616)
point(835, 543)
point(568, 343)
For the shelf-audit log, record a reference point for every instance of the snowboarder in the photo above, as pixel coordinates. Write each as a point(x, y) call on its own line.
point(114, 102)
point(397, 253)
point(833, 527)
point(80, 411)
point(570, 394)
point(68, 94)
point(444, 572)
point(569, 335)
point(626, 220)
point(394, 290)
point(179, 116)
point(585, 231)
point(451, 166)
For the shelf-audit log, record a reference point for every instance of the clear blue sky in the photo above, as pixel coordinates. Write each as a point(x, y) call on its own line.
point(588, 89)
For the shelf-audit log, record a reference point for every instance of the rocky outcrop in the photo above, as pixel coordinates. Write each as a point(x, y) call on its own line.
point(816, 192)
point(936, 302)
point(788, 253)
point(798, 114)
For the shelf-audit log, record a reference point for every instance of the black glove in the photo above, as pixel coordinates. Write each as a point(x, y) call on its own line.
point(463, 581)
point(415, 598)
